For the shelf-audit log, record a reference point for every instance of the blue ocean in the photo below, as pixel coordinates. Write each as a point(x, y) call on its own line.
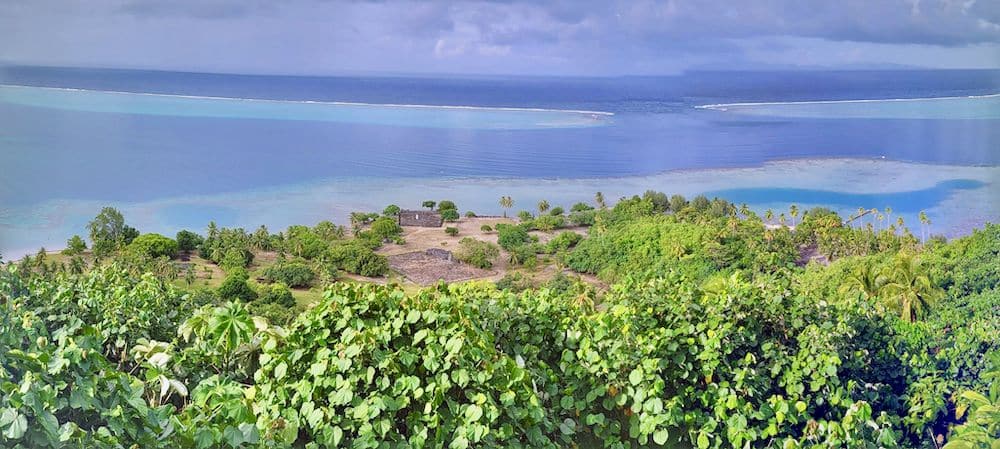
point(175, 150)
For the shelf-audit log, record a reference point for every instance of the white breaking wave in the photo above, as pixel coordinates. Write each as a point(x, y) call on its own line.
point(330, 103)
point(724, 106)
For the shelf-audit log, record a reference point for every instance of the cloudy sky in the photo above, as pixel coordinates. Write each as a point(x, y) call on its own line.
point(559, 37)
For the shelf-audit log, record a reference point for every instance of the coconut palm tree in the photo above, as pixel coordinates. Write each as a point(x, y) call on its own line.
point(543, 206)
point(781, 219)
point(866, 279)
point(745, 210)
point(794, 212)
point(213, 230)
point(769, 215)
point(925, 222)
point(910, 289)
point(888, 214)
point(506, 203)
point(599, 199)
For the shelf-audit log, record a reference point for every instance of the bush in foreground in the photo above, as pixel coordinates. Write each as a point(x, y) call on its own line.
point(292, 274)
point(477, 253)
point(154, 245)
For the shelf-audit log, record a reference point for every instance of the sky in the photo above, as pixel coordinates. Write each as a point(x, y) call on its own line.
point(558, 37)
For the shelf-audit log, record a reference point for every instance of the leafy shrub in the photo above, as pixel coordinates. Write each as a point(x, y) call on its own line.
point(429, 204)
point(236, 258)
point(276, 293)
point(511, 236)
point(647, 246)
point(470, 214)
point(548, 223)
point(581, 207)
point(355, 257)
point(583, 218)
point(477, 253)
point(293, 274)
point(523, 255)
point(514, 282)
point(188, 241)
point(447, 205)
point(276, 303)
point(659, 200)
point(385, 229)
point(480, 395)
point(564, 241)
point(677, 203)
point(328, 231)
point(154, 245)
point(227, 247)
point(237, 286)
point(557, 211)
point(525, 215)
point(449, 215)
point(391, 210)
point(452, 231)
point(486, 228)
point(68, 403)
point(108, 232)
point(304, 242)
point(373, 265)
point(75, 245)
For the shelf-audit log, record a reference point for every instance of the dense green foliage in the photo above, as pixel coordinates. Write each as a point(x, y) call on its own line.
point(188, 241)
point(153, 245)
point(74, 246)
point(237, 286)
point(108, 232)
point(477, 253)
point(386, 229)
point(714, 331)
point(358, 258)
point(292, 274)
point(450, 215)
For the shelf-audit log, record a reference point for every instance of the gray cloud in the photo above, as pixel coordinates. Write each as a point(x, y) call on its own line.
point(521, 36)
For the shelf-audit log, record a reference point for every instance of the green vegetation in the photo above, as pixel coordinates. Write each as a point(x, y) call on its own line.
point(444, 205)
point(108, 232)
point(75, 246)
point(386, 229)
point(153, 245)
point(293, 274)
point(237, 286)
point(188, 241)
point(391, 210)
point(708, 329)
point(477, 253)
point(506, 203)
point(450, 215)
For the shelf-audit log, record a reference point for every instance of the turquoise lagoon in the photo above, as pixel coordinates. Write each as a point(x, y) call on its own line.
point(431, 116)
point(957, 198)
point(174, 151)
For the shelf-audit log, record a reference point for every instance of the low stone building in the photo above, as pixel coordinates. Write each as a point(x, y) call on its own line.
point(423, 218)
